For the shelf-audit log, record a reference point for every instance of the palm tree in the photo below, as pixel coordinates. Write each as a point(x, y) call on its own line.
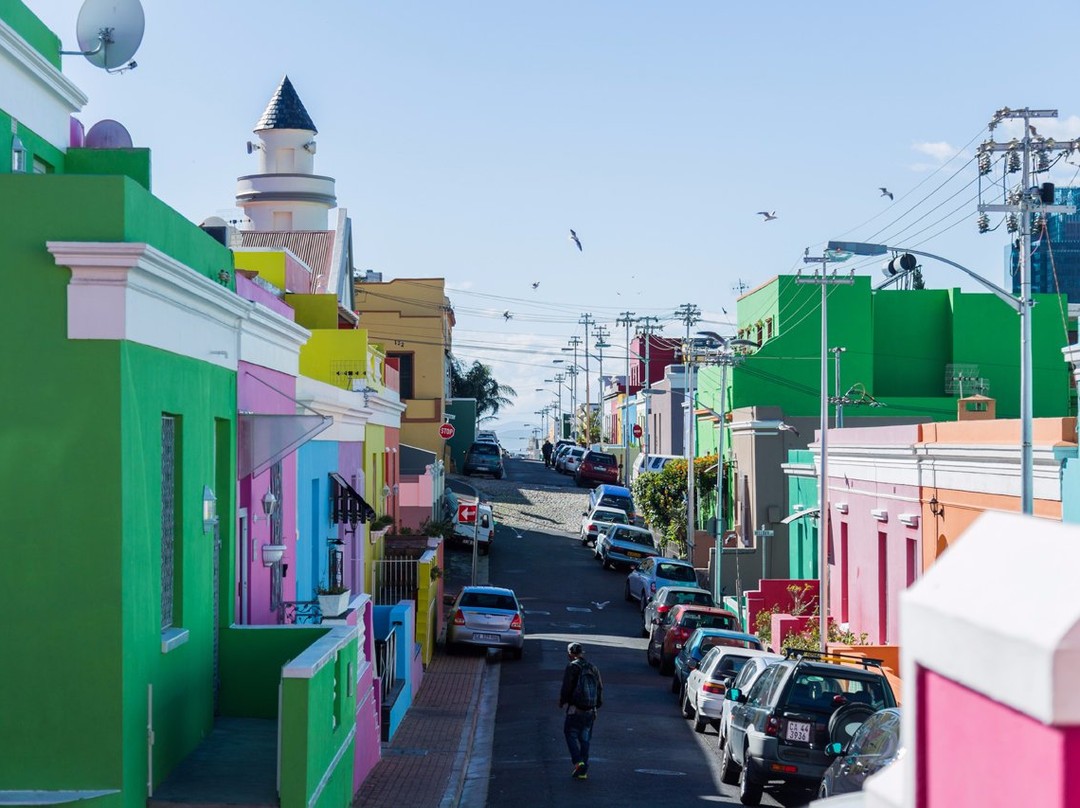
point(476, 381)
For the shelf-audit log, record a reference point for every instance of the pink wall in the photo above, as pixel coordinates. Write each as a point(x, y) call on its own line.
point(976, 753)
point(869, 606)
point(298, 276)
point(774, 592)
point(368, 716)
point(254, 396)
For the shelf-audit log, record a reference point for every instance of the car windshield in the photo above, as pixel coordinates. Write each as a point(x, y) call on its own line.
point(614, 501)
point(697, 598)
point(731, 664)
point(825, 691)
point(602, 459)
point(488, 600)
point(708, 642)
point(633, 536)
point(675, 572)
point(692, 620)
point(615, 517)
point(484, 449)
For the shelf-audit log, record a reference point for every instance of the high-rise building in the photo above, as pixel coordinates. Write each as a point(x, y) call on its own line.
point(1055, 251)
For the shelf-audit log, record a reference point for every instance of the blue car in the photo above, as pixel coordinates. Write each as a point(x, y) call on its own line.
point(700, 643)
point(484, 458)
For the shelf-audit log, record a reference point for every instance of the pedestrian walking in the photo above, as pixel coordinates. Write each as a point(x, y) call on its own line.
point(581, 695)
point(545, 450)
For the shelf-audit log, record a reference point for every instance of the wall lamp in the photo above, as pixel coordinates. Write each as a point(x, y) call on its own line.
point(209, 509)
point(936, 508)
point(269, 507)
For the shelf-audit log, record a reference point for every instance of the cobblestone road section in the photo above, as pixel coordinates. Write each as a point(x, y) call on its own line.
point(530, 506)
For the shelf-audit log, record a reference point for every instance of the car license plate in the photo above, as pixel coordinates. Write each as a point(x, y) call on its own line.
point(798, 731)
point(486, 637)
point(633, 554)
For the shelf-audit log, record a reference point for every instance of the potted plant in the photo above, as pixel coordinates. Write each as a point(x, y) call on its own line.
point(333, 600)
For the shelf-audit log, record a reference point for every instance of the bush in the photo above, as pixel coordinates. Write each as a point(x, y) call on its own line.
point(660, 497)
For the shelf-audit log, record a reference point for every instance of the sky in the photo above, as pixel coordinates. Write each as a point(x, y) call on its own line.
point(467, 138)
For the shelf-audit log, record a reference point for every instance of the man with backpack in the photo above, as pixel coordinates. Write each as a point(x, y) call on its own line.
point(581, 695)
point(546, 450)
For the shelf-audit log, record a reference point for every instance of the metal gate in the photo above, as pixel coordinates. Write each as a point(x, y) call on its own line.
point(393, 580)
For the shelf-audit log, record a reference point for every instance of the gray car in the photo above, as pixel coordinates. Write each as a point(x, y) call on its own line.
point(486, 616)
point(874, 746)
point(744, 680)
point(669, 596)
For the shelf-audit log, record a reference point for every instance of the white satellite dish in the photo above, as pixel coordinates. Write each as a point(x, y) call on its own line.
point(110, 31)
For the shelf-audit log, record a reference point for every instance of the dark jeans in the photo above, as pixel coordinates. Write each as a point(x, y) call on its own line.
point(578, 731)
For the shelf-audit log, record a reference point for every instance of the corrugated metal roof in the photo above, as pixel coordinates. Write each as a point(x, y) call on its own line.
point(313, 247)
point(285, 111)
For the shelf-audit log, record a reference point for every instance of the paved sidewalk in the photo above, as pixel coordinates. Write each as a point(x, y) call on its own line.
point(424, 766)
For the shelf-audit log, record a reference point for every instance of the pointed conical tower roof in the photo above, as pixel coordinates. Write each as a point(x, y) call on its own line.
point(285, 111)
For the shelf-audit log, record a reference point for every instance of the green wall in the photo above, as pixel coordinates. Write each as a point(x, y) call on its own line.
point(34, 31)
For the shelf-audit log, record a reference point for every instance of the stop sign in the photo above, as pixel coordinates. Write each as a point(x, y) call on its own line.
point(446, 431)
point(637, 430)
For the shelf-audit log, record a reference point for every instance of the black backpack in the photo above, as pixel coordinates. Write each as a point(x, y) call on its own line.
point(587, 689)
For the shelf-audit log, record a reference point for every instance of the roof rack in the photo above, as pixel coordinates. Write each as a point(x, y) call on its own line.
point(839, 659)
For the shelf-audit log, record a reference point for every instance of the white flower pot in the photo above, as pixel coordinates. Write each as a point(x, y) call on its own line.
point(333, 605)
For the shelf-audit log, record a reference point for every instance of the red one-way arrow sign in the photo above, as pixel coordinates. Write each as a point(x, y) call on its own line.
point(466, 513)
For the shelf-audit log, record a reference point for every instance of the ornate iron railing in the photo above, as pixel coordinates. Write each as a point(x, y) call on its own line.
point(386, 662)
point(300, 612)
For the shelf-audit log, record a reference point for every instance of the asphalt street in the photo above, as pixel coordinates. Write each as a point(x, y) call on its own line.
point(644, 752)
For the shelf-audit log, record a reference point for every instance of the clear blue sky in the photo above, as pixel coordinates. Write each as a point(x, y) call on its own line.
point(467, 138)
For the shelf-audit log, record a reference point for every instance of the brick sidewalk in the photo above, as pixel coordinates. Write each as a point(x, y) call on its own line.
point(424, 765)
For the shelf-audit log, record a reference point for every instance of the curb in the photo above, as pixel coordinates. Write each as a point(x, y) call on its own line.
point(452, 796)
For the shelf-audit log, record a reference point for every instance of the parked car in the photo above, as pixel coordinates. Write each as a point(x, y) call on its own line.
point(598, 521)
point(597, 467)
point(655, 463)
point(652, 574)
point(614, 496)
point(702, 697)
point(486, 436)
point(669, 634)
point(484, 458)
point(779, 730)
point(624, 545)
point(486, 616)
point(744, 680)
point(561, 448)
point(699, 643)
point(669, 596)
point(483, 530)
point(568, 460)
point(874, 746)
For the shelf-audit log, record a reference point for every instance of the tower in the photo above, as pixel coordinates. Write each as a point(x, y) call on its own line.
point(286, 193)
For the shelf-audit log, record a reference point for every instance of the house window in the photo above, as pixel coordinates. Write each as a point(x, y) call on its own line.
point(169, 532)
point(282, 220)
point(406, 373)
point(41, 167)
point(768, 328)
point(276, 536)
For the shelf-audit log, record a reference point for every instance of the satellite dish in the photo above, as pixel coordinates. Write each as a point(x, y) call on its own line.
point(110, 31)
point(108, 134)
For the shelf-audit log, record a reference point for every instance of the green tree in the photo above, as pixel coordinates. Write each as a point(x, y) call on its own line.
point(661, 496)
point(476, 381)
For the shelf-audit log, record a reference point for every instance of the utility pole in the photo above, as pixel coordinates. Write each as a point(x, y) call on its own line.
point(689, 314)
point(1024, 201)
point(575, 341)
point(648, 326)
point(626, 318)
point(824, 281)
point(838, 402)
point(587, 320)
point(601, 333)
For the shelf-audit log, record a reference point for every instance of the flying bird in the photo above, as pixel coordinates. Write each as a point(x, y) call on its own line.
point(768, 216)
point(507, 315)
point(886, 192)
point(575, 239)
point(536, 284)
point(1033, 132)
point(600, 606)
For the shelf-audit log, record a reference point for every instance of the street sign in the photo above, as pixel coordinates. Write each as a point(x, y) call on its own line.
point(446, 431)
point(764, 534)
point(466, 513)
point(637, 430)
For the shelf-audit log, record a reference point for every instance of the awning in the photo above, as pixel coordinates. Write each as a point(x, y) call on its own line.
point(264, 438)
point(347, 505)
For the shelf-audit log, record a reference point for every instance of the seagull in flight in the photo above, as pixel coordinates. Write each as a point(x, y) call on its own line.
point(1033, 132)
point(768, 216)
point(536, 284)
point(886, 192)
point(575, 239)
point(600, 606)
point(507, 315)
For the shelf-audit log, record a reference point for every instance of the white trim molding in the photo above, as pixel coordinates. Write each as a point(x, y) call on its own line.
point(841, 507)
point(909, 519)
point(881, 514)
point(133, 291)
point(350, 415)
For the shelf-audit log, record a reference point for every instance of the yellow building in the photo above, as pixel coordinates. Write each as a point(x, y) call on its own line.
point(412, 320)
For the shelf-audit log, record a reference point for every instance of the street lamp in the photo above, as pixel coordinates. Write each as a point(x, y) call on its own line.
point(1022, 306)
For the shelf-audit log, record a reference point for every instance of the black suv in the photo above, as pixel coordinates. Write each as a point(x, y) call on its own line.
point(781, 728)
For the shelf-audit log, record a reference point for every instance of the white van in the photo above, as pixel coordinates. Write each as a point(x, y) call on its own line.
point(656, 462)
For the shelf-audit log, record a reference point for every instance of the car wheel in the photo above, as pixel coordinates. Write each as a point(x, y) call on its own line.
point(626, 592)
point(685, 705)
point(644, 627)
point(499, 475)
point(607, 563)
point(700, 722)
point(846, 721)
point(649, 658)
point(750, 787)
point(823, 791)
point(667, 666)
point(729, 769)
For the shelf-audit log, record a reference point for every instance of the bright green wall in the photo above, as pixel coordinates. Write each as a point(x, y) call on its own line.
point(913, 334)
point(802, 533)
point(35, 147)
point(133, 163)
point(251, 660)
point(33, 30)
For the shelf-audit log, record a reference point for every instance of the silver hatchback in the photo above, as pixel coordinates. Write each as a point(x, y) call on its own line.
point(486, 616)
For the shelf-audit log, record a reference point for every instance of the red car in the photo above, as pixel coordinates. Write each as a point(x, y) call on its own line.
point(597, 467)
point(670, 632)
